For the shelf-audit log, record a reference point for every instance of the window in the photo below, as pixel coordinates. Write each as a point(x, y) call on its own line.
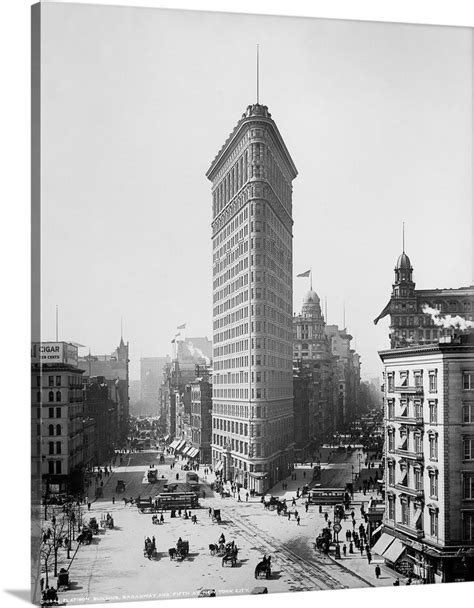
point(58, 429)
point(58, 447)
point(391, 473)
point(58, 395)
point(38, 396)
point(433, 446)
point(418, 479)
point(390, 382)
point(38, 380)
point(405, 513)
point(418, 443)
point(468, 525)
point(50, 396)
point(58, 380)
point(51, 447)
point(468, 449)
point(433, 407)
point(468, 413)
point(51, 467)
point(58, 412)
point(468, 486)
point(391, 440)
point(418, 379)
point(434, 523)
point(390, 408)
point(433, 387)
point(58, 467)
point(50, 380)
point(403, 378)
point(468, 381)
point(434, 484)
point(51, 412)
point(50, 430)
point(391, 507)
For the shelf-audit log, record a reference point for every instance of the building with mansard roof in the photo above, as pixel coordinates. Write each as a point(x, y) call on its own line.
point(409, 324)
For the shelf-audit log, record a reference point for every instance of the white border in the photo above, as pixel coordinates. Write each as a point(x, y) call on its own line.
point(14, 243)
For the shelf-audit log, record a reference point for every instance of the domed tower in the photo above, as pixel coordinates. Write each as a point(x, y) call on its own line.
point(311, 312)
point(403, 287)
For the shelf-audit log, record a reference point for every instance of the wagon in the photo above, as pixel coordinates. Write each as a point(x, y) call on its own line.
point(259, 590)
point(63, 579)
point(216, 515)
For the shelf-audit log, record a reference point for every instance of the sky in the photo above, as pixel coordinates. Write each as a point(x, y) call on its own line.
point(137, 102)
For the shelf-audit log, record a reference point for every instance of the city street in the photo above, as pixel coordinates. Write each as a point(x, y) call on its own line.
point(114, 563)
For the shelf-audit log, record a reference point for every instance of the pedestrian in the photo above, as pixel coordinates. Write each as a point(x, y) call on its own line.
point(247, 497)
point(304, 473)
point(326, 515)
point(88, 506)
point(239, 499)
point(298, 519)
point(42, 584)
point(369, 556)
point(113, 500)
point(289, 515)
point(306, 506)
point(408, 581)
point(377, 571)
point(397, 582)
point(361, 547)
point(210, 512)
point(351, 547)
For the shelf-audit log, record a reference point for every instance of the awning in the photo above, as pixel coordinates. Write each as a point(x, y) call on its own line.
point(382, 544)
point(219, 466)
point(193, 452)
point(166, 438)
point(186, 450)
point(180, 445)
point(377, 530)
point(174, 443)
point(394, 551)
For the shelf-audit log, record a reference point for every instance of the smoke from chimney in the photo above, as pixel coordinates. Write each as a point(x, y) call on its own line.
point(197, 352)
point(447, 322)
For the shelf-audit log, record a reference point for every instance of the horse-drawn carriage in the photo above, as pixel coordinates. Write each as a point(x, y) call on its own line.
point(107, 522)
point(63, 580)
point(120, 487)
point(323, 541)
point(181, 551)
point(85, 536)
point(150, 549)
point(93, 525)
point(207, 593)
point(263, 568)
point(216, 515)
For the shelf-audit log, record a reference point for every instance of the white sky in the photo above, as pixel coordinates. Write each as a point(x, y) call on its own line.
point(137, 102)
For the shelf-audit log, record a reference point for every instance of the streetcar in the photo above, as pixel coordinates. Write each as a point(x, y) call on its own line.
point(177, 500)
point(326, 496)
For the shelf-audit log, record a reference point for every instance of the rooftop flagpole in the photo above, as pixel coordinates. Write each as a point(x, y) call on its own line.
point(258, 76)
point(57, 323)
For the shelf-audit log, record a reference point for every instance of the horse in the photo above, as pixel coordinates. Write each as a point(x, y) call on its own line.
point(172, 553)
point(128, 501)
point(213, 549)
point(230, 557)
point(263, 567)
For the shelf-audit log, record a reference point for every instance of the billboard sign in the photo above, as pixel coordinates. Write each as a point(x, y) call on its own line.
point(55, 352)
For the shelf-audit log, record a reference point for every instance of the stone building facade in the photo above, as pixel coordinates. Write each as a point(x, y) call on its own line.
point(252, 223)
point(409, 324)
point(57, 418)
point(428, 527)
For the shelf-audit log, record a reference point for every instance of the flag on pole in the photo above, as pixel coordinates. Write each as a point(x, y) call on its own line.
point(304, 274)
point(183, 326)
point(173, 341)
point(178, 334)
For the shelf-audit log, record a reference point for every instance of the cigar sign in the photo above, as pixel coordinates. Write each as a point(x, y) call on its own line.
point(55, 352)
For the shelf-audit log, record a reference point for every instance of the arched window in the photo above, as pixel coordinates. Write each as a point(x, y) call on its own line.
point(51, 396)
point(51, 429)
point(58, 429)
point(58, 395)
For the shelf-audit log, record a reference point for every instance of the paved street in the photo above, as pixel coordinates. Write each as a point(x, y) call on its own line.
point(117, 555)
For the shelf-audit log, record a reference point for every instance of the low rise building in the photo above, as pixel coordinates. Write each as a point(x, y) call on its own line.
point(57, 417)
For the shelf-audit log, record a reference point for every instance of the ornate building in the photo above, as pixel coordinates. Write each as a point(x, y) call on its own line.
point(251, 177)
point(314, 379)
point(409, 324)
point(428, 526)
